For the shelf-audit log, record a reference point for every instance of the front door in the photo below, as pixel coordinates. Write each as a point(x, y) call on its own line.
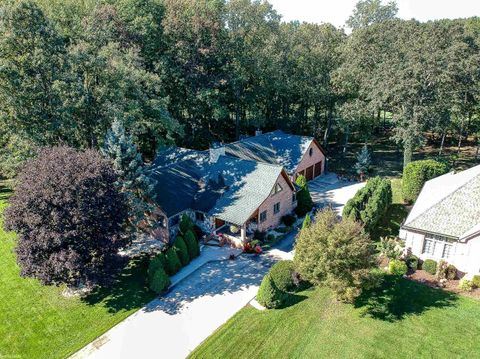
point(219, 223)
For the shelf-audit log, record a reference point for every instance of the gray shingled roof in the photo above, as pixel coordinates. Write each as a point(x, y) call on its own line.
point(455, 214)
point(276, 148)
point(230, 189)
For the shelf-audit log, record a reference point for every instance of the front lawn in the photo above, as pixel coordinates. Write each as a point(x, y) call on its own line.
point(38, 322)
point(409, 320)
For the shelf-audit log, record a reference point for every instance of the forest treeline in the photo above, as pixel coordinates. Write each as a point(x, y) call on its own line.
point(191, 72)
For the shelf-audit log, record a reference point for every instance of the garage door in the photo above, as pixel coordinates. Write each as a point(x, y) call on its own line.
point(318, 169)
point(309, 173)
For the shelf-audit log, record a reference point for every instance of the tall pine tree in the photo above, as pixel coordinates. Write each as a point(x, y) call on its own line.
point(132, 173)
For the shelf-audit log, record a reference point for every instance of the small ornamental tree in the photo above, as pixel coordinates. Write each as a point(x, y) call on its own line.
point(185, 224)
point(159, 281)
point(68, 217)
point(192, 245)
point(304, 200)
point(416, 173)
point(133, 179)
point(336, 253)
point(363, 162)
point(269, 295)
point(182, 251)
point(307, 221)
point(156, 262)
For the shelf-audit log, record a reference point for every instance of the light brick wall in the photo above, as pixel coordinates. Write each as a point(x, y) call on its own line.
point(308, 160)
point(286, 206)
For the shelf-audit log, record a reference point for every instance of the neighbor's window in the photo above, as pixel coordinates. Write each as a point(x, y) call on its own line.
point(447, 250)
point(276, 208)
point(294, 197)
point(162, 221)
point(428, 246)
point(263, 216)
point(310, 152)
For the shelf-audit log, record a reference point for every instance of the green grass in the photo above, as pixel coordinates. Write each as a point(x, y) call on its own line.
point(403, 320)
point(390, 223)
point(38, 322)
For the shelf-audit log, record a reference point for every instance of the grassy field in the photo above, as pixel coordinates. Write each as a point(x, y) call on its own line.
point(403, 320)
point(38, 322)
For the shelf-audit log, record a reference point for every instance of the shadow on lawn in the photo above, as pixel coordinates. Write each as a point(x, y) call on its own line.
point(397, 298)
point(127, 291)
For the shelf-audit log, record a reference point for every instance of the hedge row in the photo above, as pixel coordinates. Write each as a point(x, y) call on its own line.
point(416, 173)
point(174, 258)
point(370, 203)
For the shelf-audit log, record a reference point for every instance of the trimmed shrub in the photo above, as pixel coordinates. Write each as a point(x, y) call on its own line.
point(476, 281)
point(288, 220)
point(442, 267)
point(156, 262)
point(159, 281)
point(269, 295)
point(307, 221)
point(172, 262)
point(390, 247)
point(304, 200)
point(430, 266)
point(416, 173)
point(270, 237)
point(451, 272)
point(370, 203)
point(255, 243)
point(282, 274)
point(397, 267)
point(259, 235)
point(182, 251)
point(465, 285)
point(185, 224)
point(192, 245)
point(412, 262)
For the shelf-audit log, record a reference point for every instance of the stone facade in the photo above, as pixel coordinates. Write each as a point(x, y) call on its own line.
point(311, 160)
point(284, 197)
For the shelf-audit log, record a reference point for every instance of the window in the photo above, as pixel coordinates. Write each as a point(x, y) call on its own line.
point(276, 189)
point(199, 216)
point(310, 152)
point(294, 197)
point(162, 221)
point(276, 208)
point(428, 246)
point(263, 216)
point(447, 250)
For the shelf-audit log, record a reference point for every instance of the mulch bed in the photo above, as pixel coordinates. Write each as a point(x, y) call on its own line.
point(452, 285)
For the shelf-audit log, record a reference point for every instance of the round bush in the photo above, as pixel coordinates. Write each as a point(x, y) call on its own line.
point(397, 267)
point(416, 173)
point(288, 220)
point(465, 285)
point(269, 295)
point(430, 266)
point(451, 272)
point(192, 245)
point(182, 251)
point(159, 281)
point(412, 262)
point(156, 262)
point(476, 281)
point(282, 274)
point(172, 263)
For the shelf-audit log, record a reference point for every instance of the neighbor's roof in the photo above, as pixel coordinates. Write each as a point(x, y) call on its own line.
point(230, 189)
point(448, 205)
point(275, 147)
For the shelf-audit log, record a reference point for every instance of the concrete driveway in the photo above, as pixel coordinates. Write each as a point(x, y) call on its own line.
point(173, 325)
point(328, 190)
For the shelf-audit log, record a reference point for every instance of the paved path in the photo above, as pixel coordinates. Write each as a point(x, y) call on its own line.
point(174, 324)
point(328, 190)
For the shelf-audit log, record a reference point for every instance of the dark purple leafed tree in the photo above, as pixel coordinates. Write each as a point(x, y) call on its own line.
point(69, 218)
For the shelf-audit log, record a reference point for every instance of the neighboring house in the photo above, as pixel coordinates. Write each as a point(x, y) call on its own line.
point(444, 223)
point(299, 155)
point(220, 192)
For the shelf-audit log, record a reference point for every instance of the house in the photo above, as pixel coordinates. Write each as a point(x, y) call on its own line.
point(299, 155)
point(220, 193)
point(444, 223)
